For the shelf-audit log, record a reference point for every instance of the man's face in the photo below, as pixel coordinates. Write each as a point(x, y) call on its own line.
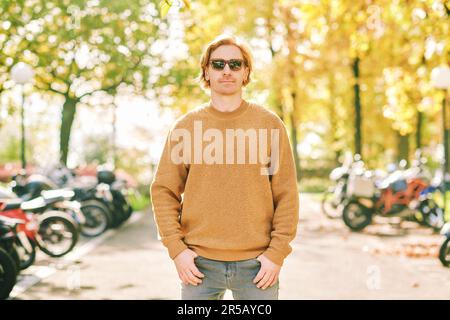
point(226, 81)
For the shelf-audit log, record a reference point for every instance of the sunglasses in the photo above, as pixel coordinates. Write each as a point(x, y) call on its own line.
point(234, 64)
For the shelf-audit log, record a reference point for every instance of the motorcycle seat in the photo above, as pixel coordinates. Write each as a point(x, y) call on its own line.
point(11, 222)
point(12, 204)
point(52, 196)
point(33, 205)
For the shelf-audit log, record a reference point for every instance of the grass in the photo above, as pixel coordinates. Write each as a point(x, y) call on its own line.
point(139, 201)
point(314, 185)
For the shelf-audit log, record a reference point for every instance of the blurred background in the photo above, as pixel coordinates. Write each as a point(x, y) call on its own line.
point(111, 76)
point(88, 83)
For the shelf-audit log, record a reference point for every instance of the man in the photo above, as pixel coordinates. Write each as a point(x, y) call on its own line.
point(224, 195)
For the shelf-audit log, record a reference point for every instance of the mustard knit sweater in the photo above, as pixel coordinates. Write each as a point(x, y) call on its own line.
point(226, 185)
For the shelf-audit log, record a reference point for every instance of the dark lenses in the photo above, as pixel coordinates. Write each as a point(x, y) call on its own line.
point(234, 64)
point(218, 64)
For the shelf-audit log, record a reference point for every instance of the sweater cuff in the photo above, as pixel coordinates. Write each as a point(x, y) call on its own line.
point(274, 256)
point(175, 248)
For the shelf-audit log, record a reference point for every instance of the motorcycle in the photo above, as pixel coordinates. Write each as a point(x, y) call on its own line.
point(8, 257)
point(401, 194)
point(335, 199)
point(104, 203)
point(444, 251)
point(57, 231)
point(25, 234)
point(92, 217)
point(8, 274)
point(113, 193)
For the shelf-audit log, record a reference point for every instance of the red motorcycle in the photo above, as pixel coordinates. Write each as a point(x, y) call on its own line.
point(400, 194)
point(25, 241)
point(54, 232)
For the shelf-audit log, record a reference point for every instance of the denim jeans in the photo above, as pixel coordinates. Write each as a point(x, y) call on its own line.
point(236, 276)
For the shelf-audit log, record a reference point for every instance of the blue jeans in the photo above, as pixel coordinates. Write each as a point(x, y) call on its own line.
point(234, 275)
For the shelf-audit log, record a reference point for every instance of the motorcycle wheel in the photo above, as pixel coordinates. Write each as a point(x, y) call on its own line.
point(8, 274)
point(14, 256)
point(444, 253)
point(26, 259)
point(432, 214)
point(98, 218)
point(121, 208)
point(125, 207)
point(329, 208)
point(56, 228)
point(356, 216)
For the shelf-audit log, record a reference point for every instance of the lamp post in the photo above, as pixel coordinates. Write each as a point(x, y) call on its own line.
point(440, 77)
point(22, 74)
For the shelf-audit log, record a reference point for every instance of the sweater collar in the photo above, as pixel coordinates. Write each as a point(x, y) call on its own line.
point(228, 114)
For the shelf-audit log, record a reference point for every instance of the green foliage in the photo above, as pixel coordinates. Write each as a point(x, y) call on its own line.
point(140, 201)
point(10, 151)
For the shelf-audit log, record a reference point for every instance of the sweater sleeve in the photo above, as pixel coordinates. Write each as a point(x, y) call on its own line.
point(166, 190)
point(286, 202)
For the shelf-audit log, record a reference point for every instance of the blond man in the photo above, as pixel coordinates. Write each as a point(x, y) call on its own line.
point(224, 195)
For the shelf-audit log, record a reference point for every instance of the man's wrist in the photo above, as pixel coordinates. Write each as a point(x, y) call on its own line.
point(175, 248)
point(274, 256)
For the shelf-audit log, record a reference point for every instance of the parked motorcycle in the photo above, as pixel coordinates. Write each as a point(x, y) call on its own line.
point(8, 257)
point(112, 193)
point(401, 194)
point(57, 231)
point(104, 203)
point(25, 232)
point(8, 274)
point(92, 217)
point(444, 252)
point(334, 198)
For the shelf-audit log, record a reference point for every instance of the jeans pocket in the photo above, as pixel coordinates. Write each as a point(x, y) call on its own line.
point(198, 259)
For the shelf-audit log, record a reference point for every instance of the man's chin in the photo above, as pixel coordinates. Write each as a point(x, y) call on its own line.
point(227, 91)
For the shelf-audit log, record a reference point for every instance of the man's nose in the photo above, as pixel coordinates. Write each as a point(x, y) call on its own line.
point(227, 69)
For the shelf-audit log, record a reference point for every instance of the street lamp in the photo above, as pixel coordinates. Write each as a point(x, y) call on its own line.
point(440, 77)
point(22, 74)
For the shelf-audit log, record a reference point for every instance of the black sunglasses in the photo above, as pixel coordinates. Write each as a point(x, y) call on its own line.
point(234, 64)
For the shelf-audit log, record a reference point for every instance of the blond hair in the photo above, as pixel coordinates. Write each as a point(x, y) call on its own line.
point(225, 39)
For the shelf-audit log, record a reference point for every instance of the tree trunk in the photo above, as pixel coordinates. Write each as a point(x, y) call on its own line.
point(446, 132)
point(279, 111)
point(402, 147)
point(294, 146)
point(420, 119)
point(114, 135)
point(67, 117)
point(447, 156)
point(334, 139)
point(357, 101)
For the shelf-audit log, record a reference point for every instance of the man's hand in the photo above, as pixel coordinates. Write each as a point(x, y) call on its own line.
point(187, 270)
point(268, 274)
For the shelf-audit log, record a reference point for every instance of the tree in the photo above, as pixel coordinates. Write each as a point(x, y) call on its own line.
point(78, 48)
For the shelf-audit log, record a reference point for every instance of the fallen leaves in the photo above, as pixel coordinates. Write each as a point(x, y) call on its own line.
point(422, 248)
